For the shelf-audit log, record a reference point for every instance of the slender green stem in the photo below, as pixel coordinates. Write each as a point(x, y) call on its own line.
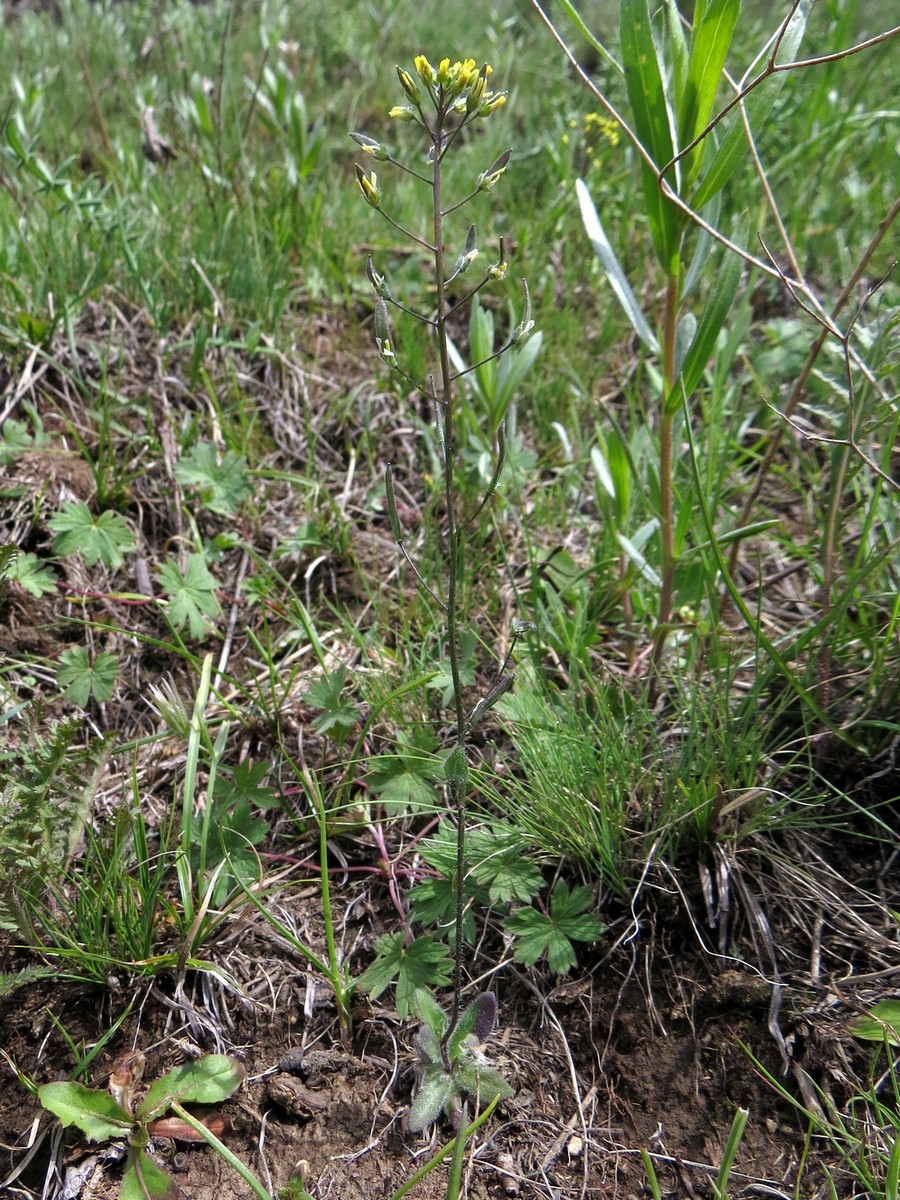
point(438, 1158)
point(222, 1150)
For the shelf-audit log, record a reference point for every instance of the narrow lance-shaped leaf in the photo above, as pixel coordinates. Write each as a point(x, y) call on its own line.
point(712, 319)
point(650, 112)
point(714, 23)
point(614, 273)
point(757, 106)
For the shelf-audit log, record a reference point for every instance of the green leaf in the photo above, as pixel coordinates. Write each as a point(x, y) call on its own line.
point(434, 903)
point(650, 112)
point(246, 783)
point(425, 962)
point(757, 106)
point(31, 574)
point(712, 320)
point(500, 864)
point(82, 680)
point(106, 539)
point(883, 1020)
point(714, 22)
point(478, 1019)
point(614, 273)
point(192, 595)
point(224, 485)
point(143, 1179)
point(95, 1113)
point(432, 1098)
point(538, 933)
point(424, 1006)
point(338, 714)
point(209, 1080)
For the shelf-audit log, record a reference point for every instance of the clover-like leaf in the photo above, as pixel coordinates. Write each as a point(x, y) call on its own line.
point(82, 679)
point(191, 593)
point(424, 962)
point(223, 485)
point(105, 538)
point(552, 934)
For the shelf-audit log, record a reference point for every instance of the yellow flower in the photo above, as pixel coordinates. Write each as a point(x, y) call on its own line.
point(424, 69)
point(491, 103)
point(402, 112)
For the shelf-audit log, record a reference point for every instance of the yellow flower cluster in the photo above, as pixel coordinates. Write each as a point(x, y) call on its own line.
point(461, 86)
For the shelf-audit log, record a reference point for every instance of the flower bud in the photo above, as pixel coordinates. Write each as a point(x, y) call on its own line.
point(402, 112)
point(368, 185)
point(368, 145)
point(488, 179)
point(492, 102)
point(409, 86)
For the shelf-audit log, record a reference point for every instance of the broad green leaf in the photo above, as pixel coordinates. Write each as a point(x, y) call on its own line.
point(478, 1019)
point(434, 904)
point(106, 539)
point(424, 1006)
point(485, 1082)
point(143, 1179)
point(757, 105)
point(192, 595)
point(650, 112)
point(514, 366)
point(82, 679)
point(614, 273)
point(714, 22)
point(95, 1113)
point(337, 713)
point(883, 1020)
point(209, 1080)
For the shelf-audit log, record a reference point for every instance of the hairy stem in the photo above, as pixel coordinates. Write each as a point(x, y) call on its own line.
point(457, 787)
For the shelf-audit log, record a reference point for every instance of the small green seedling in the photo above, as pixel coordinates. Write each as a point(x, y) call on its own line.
point(450, 1072)
point(108, 1115)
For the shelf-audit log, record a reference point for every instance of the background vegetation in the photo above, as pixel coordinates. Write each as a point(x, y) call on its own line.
point(218, 677)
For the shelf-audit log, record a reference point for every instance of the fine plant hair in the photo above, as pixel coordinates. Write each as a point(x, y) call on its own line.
point(440, 103)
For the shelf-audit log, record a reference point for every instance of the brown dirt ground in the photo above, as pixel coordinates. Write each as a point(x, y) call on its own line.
point(644, 1048)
